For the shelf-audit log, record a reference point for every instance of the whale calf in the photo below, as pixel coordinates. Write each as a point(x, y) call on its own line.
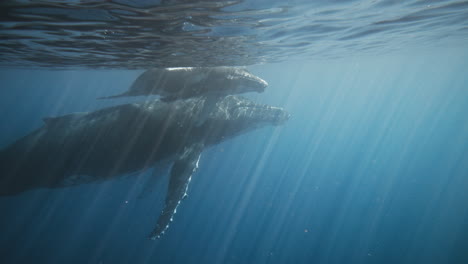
point(108, 143)
point(188, 82)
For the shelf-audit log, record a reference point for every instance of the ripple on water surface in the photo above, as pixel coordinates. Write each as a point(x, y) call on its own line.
point(122, 34)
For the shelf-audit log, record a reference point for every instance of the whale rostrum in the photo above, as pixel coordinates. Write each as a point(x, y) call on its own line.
point(111, 142)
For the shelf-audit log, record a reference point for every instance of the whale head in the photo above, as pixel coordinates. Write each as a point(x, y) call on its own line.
point(233, 80)
point(186, 82)
point(243, 110)
point(236, 115)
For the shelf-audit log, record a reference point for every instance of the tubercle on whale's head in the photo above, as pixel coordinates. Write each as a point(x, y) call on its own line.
point(235, 115)
point(236, 79)
point(244, 113)
point(256, 83)
point(279, 116)
point(249, 81)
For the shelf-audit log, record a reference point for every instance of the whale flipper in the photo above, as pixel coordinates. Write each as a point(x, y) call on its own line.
point(181, 173)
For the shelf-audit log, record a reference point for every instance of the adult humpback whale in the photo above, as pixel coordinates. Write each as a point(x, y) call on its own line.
point(86, 147)
point(187, 82)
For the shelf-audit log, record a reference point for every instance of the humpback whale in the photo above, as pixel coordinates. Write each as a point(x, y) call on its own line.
point(89, 147)
point(187, 82)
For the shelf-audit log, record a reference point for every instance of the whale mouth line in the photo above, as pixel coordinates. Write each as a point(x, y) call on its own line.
point(256, 82)
point(276, 115)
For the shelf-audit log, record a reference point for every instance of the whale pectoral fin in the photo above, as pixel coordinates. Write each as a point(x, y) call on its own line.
point(181, 173)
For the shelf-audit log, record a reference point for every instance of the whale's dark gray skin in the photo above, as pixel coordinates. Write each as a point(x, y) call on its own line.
point(89, 147)
point(188, 82)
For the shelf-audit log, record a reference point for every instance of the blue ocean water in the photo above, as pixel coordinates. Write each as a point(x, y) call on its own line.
point(372, 166)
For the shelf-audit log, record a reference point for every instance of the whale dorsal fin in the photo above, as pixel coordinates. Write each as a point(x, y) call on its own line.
point(53, 120)
point(48, 120)
point(181, 173)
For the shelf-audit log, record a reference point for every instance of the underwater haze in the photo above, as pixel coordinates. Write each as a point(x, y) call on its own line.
point(371, 167)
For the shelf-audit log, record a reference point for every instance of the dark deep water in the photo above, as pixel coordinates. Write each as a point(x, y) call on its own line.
point(372, 167)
